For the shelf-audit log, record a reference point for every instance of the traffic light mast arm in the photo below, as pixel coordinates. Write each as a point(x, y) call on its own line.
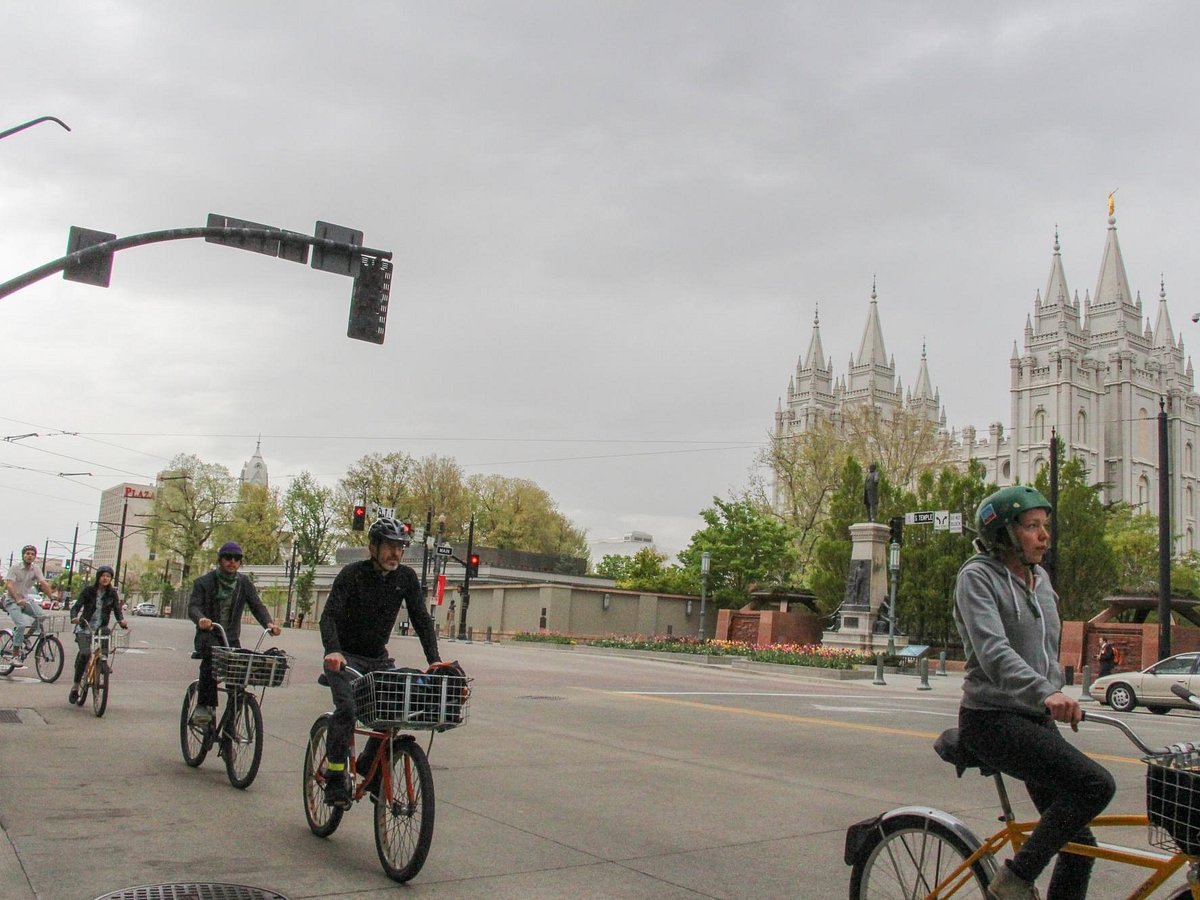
point(95, 251)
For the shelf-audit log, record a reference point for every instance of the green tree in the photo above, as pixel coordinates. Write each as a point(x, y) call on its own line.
point(646, 571)
point(1086, 568)
point(255, 522)
point(312, 511)
point(438, 486)
point(614, 566)
point(1133, 537)
point(749, 549)
point(304, 584)
point(191, 503)
point(831, 554)
point(381, 479)
point(517, 514)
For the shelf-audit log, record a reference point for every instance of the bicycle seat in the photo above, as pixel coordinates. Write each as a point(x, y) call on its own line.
point(950, 747)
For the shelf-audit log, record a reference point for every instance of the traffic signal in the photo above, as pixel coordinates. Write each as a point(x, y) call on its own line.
point(473, 564)
point(896, 528)
point(369, 300)
point(360, 517)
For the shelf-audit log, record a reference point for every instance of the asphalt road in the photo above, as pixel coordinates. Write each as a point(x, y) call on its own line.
point(579, 774)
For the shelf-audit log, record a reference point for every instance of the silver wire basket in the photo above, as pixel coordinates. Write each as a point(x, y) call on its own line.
point(411, 699)
point(249, 668)
point(1173, 801)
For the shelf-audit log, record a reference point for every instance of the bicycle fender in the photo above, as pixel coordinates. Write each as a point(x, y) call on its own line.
point(860, 836)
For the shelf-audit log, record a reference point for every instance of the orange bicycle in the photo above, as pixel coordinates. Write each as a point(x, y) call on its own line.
point(398, 778)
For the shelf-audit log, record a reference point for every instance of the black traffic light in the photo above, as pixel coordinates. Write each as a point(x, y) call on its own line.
point(360, 517)
point(473, 564)
point(896, 529)
point(369, 300)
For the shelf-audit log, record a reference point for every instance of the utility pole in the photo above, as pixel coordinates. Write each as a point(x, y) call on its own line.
point(1051, 562)
point(1164, 535)
point(71, 564)
point(120, 542)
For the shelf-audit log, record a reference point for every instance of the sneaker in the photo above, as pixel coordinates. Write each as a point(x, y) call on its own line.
point(1008, 885)
point(336, 793)
point(73, 697)
point(203, 716)
point(18, 662)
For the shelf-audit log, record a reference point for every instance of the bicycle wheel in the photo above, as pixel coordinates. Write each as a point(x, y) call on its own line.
point(6, 652)
point(404, 815)
point(194, 740)
point(908, 857)
point(100, 687)
point(323, 820)
point(242, 738)
point(48, 657)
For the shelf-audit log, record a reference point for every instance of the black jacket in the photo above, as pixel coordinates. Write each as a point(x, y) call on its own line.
point(361, 611)
point(110, 603)
point(203, 605)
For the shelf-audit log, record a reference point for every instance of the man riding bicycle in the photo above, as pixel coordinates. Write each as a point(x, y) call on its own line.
point(24, 612)
point(356, 623)
point(220, 596)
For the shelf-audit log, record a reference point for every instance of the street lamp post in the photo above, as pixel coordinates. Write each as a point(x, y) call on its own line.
point(705, 557)
point(894, 566)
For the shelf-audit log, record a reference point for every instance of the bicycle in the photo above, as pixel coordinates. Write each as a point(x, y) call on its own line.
point(918, 851)
point(398, 776)
point(41, 641)
point(239, 733)
point(105, 644)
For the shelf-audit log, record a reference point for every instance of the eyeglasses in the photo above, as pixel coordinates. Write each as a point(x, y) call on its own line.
point(232, 556)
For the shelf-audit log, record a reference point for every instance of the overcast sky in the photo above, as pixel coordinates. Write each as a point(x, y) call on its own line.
point(612, 224)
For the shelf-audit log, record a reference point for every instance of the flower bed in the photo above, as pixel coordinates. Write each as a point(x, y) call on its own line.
point(812, 655)
point(544, 637)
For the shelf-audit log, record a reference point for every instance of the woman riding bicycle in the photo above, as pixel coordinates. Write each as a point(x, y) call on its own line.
point(1007, 614)
point(97, 602)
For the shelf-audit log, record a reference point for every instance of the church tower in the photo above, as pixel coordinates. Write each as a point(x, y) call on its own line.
point(255, 469)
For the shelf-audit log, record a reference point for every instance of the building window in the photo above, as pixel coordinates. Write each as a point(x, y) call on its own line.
point(1191, 502)
point(1006, 470)
point(1189, 464)
point(1145, 432)
point(1039, 424)
point(1143, 494)
point(542, 620)
point(1081, 428)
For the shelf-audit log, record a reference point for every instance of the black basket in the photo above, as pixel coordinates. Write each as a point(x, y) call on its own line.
point(234, 665)
point(1173, 801)
point(410, 698)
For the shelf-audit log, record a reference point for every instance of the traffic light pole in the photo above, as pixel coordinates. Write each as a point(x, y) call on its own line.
point(95, 253)
point(466, 588)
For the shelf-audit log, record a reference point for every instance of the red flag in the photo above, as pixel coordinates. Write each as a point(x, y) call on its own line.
point(441, 589)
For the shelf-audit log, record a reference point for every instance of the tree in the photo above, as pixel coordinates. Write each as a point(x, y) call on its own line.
point(304, 589)
point(437, 485)
point(516, 514)
point(749, 549)
point(1133, 538)
point(256, 523)
point(311, 509)
point(380, 479)
point(645, 572)
point(191, 503)
point(614, 566)
point(1086, 568)
point(831, 553)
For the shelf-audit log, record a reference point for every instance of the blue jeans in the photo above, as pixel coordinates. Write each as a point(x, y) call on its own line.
point(1068, 788)
point(22, 617)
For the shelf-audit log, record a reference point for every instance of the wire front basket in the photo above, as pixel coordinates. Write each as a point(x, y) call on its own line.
point(233, 665)
point(54, 624)
point(411, 699)
point(114, 640)
point(1173, 801)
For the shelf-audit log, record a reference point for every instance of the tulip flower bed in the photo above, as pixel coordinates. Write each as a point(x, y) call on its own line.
point(814, 655)
point(544, 637)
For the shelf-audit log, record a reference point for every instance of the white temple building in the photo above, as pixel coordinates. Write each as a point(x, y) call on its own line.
point(255, 469)
point(1093, 370)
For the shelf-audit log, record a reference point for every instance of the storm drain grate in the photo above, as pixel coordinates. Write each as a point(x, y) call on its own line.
point(193, 891)
point(9, 717)
point(540, 697)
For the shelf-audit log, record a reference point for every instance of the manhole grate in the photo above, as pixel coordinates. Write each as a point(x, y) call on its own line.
point(540, 697)
point(9, 717)
point(193, 891)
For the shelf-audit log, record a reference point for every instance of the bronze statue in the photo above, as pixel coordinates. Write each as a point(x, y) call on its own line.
point(871, 492)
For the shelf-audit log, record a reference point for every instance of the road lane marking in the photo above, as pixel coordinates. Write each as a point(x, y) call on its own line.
point(830, 723)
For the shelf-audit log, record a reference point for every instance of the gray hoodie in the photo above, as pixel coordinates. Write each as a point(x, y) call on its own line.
point(1012, 651)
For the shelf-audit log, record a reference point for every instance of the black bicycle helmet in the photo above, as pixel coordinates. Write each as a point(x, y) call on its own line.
point(109, 569)
point(388, 529)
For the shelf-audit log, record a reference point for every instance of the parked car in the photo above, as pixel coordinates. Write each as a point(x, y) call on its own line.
point(145, 609)
point(1150, 687)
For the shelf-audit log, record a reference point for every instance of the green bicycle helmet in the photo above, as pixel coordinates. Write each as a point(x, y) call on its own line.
point(998, 513)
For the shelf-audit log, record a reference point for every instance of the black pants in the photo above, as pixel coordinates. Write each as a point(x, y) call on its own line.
point(1067, 787)
point(337, 743)
point(207, 691)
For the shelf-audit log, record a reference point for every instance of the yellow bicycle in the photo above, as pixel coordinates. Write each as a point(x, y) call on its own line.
point(919, 852)
point(105, 644)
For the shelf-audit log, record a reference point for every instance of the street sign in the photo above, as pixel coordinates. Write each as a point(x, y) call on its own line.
point(956, 523)
point(98, 270)
point(445, 550)
point(941, 520)
point(919, 518)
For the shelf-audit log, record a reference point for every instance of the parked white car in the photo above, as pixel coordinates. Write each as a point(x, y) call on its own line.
point(145, 609)
point(1150, 687)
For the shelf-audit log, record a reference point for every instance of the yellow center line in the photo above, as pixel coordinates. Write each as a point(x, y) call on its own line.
point(832, 723)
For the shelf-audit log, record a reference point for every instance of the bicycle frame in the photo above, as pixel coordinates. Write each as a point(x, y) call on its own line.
point(377, 764)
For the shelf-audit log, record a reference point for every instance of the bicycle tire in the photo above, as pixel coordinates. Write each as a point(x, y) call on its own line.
point(100, 688)
point(85, 683)
point(48, 657)
point(404, 816)
point(908, 857)
point(6, 649)
point(242, 738)
point(194, 740)
point(323, 820)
